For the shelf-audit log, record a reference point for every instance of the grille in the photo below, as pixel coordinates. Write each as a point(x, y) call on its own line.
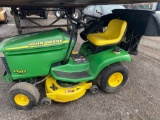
point(74, 75)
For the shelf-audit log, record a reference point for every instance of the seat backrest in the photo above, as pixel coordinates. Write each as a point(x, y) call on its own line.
point(116, 29)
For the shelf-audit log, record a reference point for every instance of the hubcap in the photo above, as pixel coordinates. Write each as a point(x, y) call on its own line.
point(21, 99)
point(75, 15)
point(115, 79)
point(58, 13)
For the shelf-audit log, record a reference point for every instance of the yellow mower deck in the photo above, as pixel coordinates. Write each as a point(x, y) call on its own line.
point(62, 93)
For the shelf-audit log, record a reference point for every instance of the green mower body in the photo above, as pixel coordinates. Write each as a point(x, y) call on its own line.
point(47, 56)
point(32, 55)
point(36, 54)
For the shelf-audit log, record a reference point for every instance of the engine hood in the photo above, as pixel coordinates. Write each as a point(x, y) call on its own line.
point(56, 37)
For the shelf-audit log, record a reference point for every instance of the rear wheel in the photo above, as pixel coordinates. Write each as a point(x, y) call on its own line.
point(77, 15)
point(113, 78)
point(24, 96)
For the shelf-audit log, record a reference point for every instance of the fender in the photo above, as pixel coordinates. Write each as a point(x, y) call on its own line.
point(94, 65)
point(99, 61)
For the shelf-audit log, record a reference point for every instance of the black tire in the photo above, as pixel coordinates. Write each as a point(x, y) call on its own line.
point(116, 71)
point(45, 15)
point(94, 89)
point(77, 15)
point(24, 96)
point(85, 20)
point(88, 20)
point(59, 14)
point(46, 101)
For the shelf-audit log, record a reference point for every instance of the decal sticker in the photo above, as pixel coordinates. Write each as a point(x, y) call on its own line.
point(69, 91)
point(20, 71)
point(36, 44)
point(45, 43)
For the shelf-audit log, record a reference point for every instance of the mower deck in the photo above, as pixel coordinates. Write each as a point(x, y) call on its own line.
point(63, 91)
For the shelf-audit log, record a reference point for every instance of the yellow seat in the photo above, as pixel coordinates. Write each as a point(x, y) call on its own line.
point(113, 35)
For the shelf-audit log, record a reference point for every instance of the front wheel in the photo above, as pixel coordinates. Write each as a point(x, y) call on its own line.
point(24, 96)
point(113, 78)
point(46, 101)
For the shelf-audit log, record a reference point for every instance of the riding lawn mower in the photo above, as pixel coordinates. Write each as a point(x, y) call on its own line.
point(47, 57)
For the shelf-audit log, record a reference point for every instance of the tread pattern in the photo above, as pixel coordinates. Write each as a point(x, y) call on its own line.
point(103, 80)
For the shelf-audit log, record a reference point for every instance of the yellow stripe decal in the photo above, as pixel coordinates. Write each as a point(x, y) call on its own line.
point(37, 44)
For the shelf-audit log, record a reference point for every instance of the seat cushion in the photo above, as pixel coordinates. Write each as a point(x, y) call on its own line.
point(113, 35)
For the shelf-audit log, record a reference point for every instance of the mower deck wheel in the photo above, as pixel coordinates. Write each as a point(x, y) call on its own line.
point(93, 89)
point(24, 96)
point(46, 101)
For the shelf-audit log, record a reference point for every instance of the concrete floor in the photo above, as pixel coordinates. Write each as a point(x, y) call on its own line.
point(139, 100)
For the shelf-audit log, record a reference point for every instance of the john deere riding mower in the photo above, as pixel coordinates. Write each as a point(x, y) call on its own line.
point(67, 75)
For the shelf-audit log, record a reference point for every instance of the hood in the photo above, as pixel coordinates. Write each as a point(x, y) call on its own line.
point(35, 40)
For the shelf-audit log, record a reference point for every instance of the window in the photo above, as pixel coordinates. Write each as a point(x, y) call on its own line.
point(91, 8)
point(98, 7)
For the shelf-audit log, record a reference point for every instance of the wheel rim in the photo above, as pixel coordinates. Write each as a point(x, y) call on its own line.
point(75, 15)
point(58, 14)
point(115, 79)
point(21, 99)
